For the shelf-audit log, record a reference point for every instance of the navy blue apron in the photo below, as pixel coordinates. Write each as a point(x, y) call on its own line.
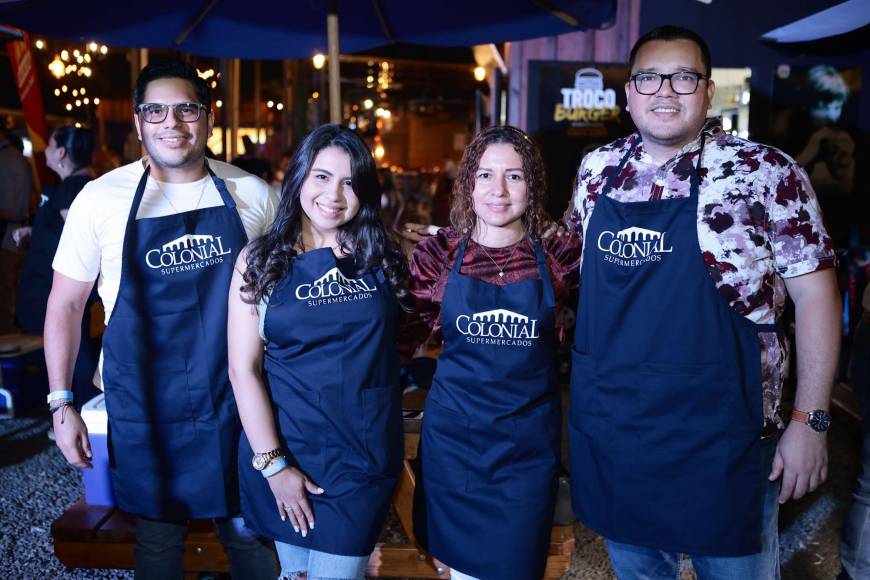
point(332, 371)
point(490, 443)
point(666, 387)
point(173, 423)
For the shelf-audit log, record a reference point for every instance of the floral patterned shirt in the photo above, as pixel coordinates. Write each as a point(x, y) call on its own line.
point(758, 222)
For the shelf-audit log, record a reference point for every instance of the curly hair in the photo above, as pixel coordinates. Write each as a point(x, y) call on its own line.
point(536, 219)
point(270, 256)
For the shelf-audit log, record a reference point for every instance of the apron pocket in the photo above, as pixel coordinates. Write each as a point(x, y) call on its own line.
point(303, 427)
point(445, 447)
point(535, 454)
point(683, 408)
point(159, 394)
point(383, 429)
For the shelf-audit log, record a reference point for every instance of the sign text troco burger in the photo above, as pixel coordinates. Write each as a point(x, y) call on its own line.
point(498, 327)
point(587, 101)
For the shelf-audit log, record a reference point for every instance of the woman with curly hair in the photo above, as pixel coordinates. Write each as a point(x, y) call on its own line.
point(490, 444)
point(320, 405)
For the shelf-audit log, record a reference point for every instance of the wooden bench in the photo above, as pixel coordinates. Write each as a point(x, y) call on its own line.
point(88, 536)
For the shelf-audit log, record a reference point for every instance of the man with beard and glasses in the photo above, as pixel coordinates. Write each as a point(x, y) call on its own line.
point(160, 236)
point(691, 240)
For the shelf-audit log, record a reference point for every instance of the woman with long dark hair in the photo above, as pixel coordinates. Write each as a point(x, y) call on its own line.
point(69, 154)
point(320, 406)
point(491, 431)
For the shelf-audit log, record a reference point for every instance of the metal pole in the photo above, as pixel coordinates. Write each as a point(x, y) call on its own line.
point(236, 68)
point(257, 100)
point(334, 76)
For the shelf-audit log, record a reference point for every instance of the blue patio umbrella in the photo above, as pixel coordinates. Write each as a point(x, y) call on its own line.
point(279, 29)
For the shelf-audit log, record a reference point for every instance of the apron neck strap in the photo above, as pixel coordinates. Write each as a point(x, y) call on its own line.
point(694, 178)
point(459, 255)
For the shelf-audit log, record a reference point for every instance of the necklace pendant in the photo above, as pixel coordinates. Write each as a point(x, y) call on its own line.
point(501, 274)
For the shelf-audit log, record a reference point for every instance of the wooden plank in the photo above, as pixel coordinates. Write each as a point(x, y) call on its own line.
point(119, 527)
point(94, 554)
point(403, 500)
point(412, 441)
point(403, 560)
point(80, 521)
point(562, 540)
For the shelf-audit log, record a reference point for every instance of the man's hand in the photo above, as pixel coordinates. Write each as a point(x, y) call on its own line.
point(71, 435)
point(802, 461)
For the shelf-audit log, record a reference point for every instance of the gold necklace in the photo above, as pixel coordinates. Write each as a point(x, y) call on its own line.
point(172, 205)
point(506, 262)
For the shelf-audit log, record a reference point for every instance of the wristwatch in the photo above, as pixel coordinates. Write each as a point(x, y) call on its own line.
point(262, 460)
point(818, 420)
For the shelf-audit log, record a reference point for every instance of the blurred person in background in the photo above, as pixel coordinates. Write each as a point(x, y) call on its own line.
point(69, 154)
point(16, 186)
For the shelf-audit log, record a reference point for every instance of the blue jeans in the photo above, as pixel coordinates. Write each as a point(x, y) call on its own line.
point(855, 539)
point(640, 563)
point(159, 551)
point(319, 565)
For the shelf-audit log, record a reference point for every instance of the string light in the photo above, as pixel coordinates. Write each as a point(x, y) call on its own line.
point(68, 107)
point(318, 60)
point(368, 103)
point(315, 95)
point(270, 104)
point(57, 68)
point(40, 44)
point(92, 46)
point(56, 92)
point(280, 106)
point(86, 100)
point(96, 100)
point(75, 93)
point(103, 49)
point(63, 88)
point(64, 55)
point(479, 73)
point(218, 103)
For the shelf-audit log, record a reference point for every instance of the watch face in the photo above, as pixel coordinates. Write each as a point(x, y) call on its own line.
point(259, 462)
point(820, 421)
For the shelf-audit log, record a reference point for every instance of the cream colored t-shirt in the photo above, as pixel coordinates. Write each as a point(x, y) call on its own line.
point(92, 241)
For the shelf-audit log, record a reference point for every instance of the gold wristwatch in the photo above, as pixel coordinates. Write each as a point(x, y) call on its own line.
point(262, 460)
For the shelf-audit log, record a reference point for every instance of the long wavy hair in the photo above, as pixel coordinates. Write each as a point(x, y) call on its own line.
point(364, 237)
point(536, 219)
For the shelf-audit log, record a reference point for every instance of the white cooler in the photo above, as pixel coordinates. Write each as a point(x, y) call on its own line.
point(98, 487)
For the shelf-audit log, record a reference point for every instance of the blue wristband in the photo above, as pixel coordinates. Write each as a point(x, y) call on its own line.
point(274, 467)
point(59, 396)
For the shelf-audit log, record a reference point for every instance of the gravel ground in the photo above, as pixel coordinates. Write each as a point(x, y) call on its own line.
point(37, 486)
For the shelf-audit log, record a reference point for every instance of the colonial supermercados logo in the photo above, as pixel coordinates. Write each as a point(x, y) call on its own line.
point(334, 287)
point(498, 327)
point(587, 101)
point(633, 246)
point(189, 252)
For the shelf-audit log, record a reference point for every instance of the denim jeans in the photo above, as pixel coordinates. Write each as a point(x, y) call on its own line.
point(640, 563)
point(159, 551)
point(855, 539)
point(319, 565)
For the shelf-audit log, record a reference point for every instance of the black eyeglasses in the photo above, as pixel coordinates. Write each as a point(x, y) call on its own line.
point(682, 83)
point(157, 112)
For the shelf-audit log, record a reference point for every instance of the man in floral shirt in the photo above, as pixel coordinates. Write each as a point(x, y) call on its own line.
point(692, 239)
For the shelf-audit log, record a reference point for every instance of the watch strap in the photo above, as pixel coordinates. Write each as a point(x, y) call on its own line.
point(800, 417)
point(274, 467)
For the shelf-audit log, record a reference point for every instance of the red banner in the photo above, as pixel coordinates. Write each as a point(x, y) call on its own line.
point(27, 79)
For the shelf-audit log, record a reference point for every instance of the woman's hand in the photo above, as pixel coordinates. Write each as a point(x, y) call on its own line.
point(21, 234)
point(416, 232)
point(71, 436)
point(289, 486)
